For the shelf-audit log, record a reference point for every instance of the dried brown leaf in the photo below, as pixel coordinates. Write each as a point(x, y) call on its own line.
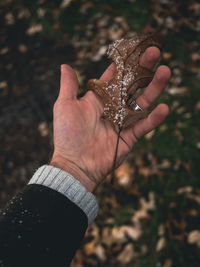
point(126, 255)
point(119, 93)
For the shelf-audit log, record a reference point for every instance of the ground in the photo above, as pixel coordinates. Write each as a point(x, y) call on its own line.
point(150, 217)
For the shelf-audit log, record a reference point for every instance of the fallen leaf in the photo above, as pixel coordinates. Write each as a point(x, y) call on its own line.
point(100, 252)
point(178, 90)
point(3, 84)
point(119, 93)
point(43, 128)
point(168, 263)
point(150, 135)
point(22, 48)
point(167, 55)
point(124, 174)
point(126, 255)
point(161, 244)
point(34, 29)
point(194, 237)
point(185, 189)
point(161, 229)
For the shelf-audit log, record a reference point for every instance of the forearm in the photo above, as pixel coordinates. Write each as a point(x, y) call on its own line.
point(44, 225)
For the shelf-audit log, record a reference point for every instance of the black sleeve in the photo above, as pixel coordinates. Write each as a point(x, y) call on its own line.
point(40, 227)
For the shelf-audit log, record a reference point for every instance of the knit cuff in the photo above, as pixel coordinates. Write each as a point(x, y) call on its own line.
point(66, 184)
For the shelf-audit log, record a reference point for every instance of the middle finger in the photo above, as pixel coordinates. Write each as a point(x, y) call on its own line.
point(155, 88)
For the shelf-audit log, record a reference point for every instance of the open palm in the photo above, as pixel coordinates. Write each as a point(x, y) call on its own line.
point(84, 143)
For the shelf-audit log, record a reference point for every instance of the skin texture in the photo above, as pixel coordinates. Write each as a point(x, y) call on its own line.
point(84, 143)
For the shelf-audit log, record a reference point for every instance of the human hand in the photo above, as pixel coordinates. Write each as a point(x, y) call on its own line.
point(84, 143)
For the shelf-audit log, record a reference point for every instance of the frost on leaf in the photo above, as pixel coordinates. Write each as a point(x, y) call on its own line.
point(119, 94)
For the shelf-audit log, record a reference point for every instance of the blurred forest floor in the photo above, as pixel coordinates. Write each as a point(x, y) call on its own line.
point(151, 216)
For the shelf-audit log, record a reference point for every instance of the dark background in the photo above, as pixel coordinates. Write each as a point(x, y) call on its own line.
point(151, 216)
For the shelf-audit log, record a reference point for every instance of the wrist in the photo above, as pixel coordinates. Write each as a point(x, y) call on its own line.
point(68, 166)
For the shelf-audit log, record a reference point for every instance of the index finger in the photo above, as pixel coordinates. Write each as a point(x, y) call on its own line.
point(109, 73)
point(147, 60)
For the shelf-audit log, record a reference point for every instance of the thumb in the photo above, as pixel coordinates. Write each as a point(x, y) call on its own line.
point(68, 83)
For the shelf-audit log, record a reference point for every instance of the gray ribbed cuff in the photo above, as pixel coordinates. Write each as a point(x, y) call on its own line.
point(66, 184)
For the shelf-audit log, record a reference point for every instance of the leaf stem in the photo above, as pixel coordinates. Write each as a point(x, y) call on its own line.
point(115, 158)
